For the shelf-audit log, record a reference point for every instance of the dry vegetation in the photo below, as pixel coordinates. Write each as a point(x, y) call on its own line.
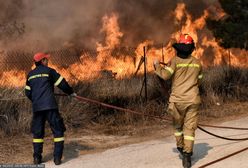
point(220, 85)
point(92, 127)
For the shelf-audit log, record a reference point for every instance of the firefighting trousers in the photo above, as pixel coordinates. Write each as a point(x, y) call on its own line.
point(38, 130)
point(185, 120)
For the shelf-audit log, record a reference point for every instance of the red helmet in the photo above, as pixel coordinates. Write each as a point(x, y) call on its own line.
point(40, 56)
point(186, 39)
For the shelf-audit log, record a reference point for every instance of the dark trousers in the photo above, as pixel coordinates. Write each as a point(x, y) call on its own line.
point(38, 130)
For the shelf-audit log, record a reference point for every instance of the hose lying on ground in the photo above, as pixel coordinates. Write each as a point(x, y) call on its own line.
point(224, 157)
point(83, 99)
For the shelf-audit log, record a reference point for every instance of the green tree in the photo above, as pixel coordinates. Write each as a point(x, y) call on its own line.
point(232, 30)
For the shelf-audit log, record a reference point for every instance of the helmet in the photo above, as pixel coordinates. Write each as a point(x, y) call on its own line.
point(186, 39)
point(39, 56)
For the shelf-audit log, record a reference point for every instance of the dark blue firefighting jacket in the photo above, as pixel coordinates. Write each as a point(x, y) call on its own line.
point(40, 87)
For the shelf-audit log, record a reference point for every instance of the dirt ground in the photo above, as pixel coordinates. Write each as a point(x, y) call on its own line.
point(162, 152)
point(18, 149)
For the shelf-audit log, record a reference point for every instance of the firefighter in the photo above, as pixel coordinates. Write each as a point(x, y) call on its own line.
point(40, 90)
point(185, 72)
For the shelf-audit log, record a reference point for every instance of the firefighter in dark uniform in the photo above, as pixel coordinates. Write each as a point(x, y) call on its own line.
point(40, 90)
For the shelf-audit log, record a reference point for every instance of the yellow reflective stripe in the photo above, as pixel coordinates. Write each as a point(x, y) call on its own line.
point(59, 139)
point(38, 140)
point(169, 69)
point(200, 76)
point(58, 81)
point(189, 65)
point(190, 138)
point(38, 76)
point(27, 87)
point(178, 133)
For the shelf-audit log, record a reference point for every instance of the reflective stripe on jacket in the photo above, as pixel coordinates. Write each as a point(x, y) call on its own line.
point(185, 74)
point(40, 87)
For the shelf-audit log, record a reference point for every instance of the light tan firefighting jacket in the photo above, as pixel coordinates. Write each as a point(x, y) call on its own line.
point(185, 74)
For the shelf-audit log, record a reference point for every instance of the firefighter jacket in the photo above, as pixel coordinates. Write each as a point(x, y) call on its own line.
point(185, 74)
point(40, 87)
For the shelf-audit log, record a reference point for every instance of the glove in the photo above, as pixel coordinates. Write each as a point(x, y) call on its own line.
point(73, 94)
point(155, 63)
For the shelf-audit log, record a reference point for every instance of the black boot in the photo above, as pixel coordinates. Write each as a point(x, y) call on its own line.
point(37, 160)
point(57, 161)
point(180, 150)
point(187, 160)
point(58, 152)
point(37, 155)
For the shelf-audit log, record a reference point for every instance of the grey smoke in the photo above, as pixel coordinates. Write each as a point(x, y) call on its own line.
point(49, 24)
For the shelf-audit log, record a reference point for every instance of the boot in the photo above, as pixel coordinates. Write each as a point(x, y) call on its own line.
point(186, 160)
point(180, 150)
point(37, 160)
point(37, 155)
point(57, 161)
point(58, 152)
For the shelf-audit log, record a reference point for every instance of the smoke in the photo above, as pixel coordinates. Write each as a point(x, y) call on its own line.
point(9, 14)
point(46, 24)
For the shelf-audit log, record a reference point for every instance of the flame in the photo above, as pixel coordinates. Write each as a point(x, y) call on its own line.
point(179, 12)
point(190, 26)
point(193, 27)
point(113, 33)
point(91, 66)
point(12, 78)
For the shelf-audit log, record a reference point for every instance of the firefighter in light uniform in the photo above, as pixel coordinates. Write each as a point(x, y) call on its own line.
point(185, 72)
point(40, 90)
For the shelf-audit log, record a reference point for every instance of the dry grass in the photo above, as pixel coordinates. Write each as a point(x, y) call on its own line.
point(92, 128)
point(219, 86)
point(222, 84)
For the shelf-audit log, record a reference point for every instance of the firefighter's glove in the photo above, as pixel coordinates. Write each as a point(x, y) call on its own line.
point(73, 95)
point(155, 63)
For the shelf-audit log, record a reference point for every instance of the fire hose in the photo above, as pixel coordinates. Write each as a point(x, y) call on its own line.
point(83, 99)
point(225, 157)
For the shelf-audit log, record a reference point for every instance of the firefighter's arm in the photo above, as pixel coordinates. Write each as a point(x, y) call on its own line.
point(28, 90)
point(61, 83)
point(200, 76)
point(163, 72)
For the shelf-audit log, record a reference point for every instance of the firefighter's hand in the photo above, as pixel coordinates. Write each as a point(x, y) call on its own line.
point(73, 95)
point(155, 63)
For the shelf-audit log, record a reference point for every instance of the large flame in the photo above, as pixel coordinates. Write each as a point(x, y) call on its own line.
point(105, 62)
point(192, 27)
point(113, 33)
